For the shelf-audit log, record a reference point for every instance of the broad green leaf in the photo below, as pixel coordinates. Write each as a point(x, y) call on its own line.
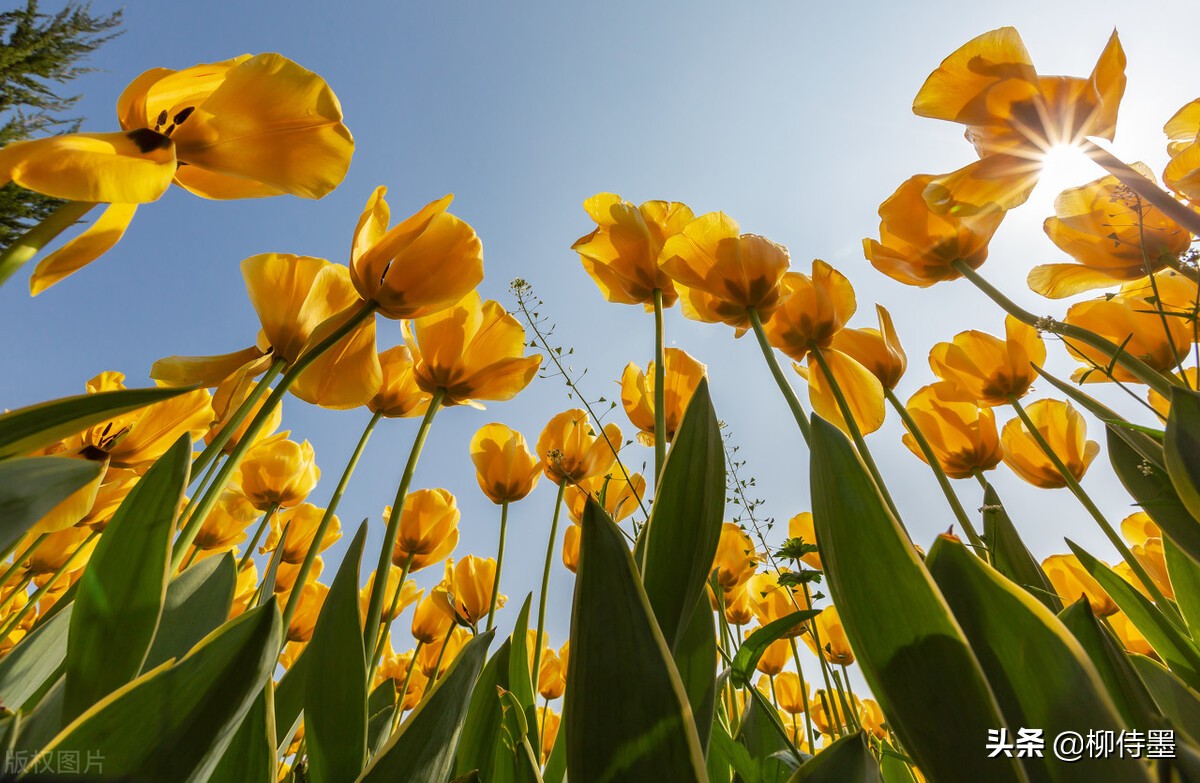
point(733, 757)
point(1177, 701)
point(44, 722)
point(289, 699)
point(30, 488)
point(1121, 682)
point(745, 663)
point(1172, 645)
point(1010, 555)
point(911, 650)
point(27, 429)
point(685, 523)
point(481, 731)
point(423, 747)
point(381, 706)
point(251, 753)
point(197, 602)
point(36, 660)
point(893, 769)
point(190, 728)
point(847, 760)
point(555, 770)
point(519, 679)
point(1184, 574)
point(383, 696)
point(696, 661)
point(761, 733)
point(121, 592)
point(626, 715)
point(1039, 673)
point(1182, 447)
point(335, 696)
point(1151, 487)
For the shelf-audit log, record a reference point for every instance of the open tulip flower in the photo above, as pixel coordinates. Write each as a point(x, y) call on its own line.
point(428, 529)
point(1072, 581)
point(409, 594)
point(962, 435)
point(466, 589)
point(790, 693)
point(624, 252)
point(987, 370)
point(399, 396)
point(431, 620)
point(572, 451)
point(683, 375)
point(878, 350)
point(302, 523)
point(1014, 117)
point(248, 127)
point(1182, 173)
point(771, 601)
point(619, 498)
point(1064, 429)
point(736, 558)
point(504, 467)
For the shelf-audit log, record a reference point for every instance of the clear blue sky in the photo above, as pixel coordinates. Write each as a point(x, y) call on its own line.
point(792, 117)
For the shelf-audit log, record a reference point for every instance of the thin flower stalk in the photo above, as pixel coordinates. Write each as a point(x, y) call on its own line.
point(789, 393)
point(21, 558)
point(541, 621)
point(499, 565)
point(660, 391)
point(213, 450)
point(1144, 188)
point(258, 531)
point(377, 656)
point(23, 249)
point(32, 602)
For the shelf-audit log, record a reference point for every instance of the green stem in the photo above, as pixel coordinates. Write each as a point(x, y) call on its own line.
point(1143, 187)
point(1142, 371)
point(19, 587)
point(375, 607)
point(812, 736)
point(437, 667)
point(499, 564)
point(21, 558)
point(310, 557)
point(223, 436)
point(201, 487)
point(541, 620)
point(766, 707)
point(16, 619)
point(850, 720)
point(262, 526)
point(943, 481)
point(789, 393)
point(25, 247)
point(412, 666)
point(383, 637)
point(660, 392)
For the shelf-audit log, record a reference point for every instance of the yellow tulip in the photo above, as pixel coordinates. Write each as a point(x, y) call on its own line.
point(428, 657)
point(552, 679)
point(1138, 527)
point(570, 548)
point(431, 620)
point(736, 558)
point(962, 435)
point(409, 594)
point(1182, 173)
point(771, 601)
point(504, 467)
point(918, 246)
point(1190, 377)
point(57, 549)
point(278, 471)
point(244, 590)
point(789, 693)
point(834, 644)
point(116, 486)
point(987, 369)
point(71, 510)
point(870, 716)
point(571, 450)
point(225, 526)
point(775, 657)
point(621, 498)
point(1064, 429)
point(286, 574)
point(1130, 637)
point(878, 350)
point(399, 396)
point(1132, 323)
point(428, 529)
point(304, 621)
point(814, 309)
point(227, 398)
point(291, 651)
point(802, 526)
point(738, 610)
point(683, 375)
point(622, 255)
point(466, 589)
point(1071, 581)
point(825, 720)
point(397, 668)
point(1152, 557)
point(302, 522)
point(473, 350)
point(548, 724)
point(418, 267)
point(721, 274)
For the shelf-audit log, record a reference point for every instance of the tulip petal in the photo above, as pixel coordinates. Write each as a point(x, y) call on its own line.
point(94, 242)
point(372, 225)
point(994, 183)
point(860, 387)
point(127, 168)
point(279, 286)
point(205, 371)
point(346, 375)
point(980, 81)
point(221, 187)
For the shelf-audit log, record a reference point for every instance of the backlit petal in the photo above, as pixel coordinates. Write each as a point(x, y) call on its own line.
point(94, 242)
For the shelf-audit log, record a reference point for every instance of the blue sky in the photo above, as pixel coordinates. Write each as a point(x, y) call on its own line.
point(793, 118)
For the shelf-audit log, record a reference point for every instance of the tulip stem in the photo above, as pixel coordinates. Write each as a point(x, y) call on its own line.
point(1144, 372)
point(1116, 540)
point(849, 719)
point(223, 436)
point(29, 244)
point(32, 601)
point(499, 564)
point(789, 393)
point(25, 555)
point(541, 621)
point(205, 480)
point(545, 713)
point(1143, 187)
point(812, 736)
point(209, 499)
point(412, 665)
point(383, 637)
point(943, 481)
point(314, 546)
point(19, 587)
point(258, 531)
point(660, 392)
point(437, 667)
point(375, 607)
point(757, 695)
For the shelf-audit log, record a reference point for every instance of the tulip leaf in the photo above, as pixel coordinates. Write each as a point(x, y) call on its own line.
point(1177, 701)
point(481, 730)
point(626, 715)
point(423, 748)
point(289, 698)
point(1182, 447)
point(335, 696)
point(1121, 682)
point(28, 429)
point(197, 603)
point(166, 725)
point(122, 590)
point(1151, 488)
point(911, 649)
point(381, 707)
point(1040, 674)
point(746, 661)
point(1010, 556)
point(555, 770)
point(36, 660)
point(1167, 639)
point(847, 760)
point(762, 734)
point(251, 752)
point(30, 488)
point(732, 756)
point(894, 770)
point(685, 523)
point(519, 679)
point(1184, 574)
point(695, 658)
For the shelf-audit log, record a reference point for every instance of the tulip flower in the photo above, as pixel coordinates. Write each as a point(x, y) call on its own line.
point(736, 558)
point(1112, 235)
point(623, 254)
point(1132, 322)
point(435, 658)
point(410, 680)
point(304, 621)
point(428, 530)
point(1152, 556)
point(278, 472)
point(802, 526)
point(466, 590)
point(834, 645)
point(621, 498)
point(471, 351)
point(227, 399)
point(570, 548)
point(827, 711)
point(1064, 429)
point(1133, 640)
point(248, 127)
point(1182, 173)
point(69, 547)
point(774, 657)
point(918, 246)
point(431, 620)
point(870, 717)
point(1138, 527)
point(878, 350)
point(71, 510)
point(399, 396)
point(418, 267)
point(571, 450)
point(409, 594)
point(243, 593)
point(552, 677)
point(722, 274)
point(962, 436)
point(287, 574)
point(789, 691)
point(302, 523)
point(548, 724)
point(116, 485)
point(225, 526)
point(504, 467)
point(771, 601)
point(1071, 581)
point(987, 370)
point(738, 610)
point(683, 375)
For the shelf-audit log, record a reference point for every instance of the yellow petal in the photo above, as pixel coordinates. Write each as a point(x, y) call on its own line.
point(980, 81)
point(862, 390)
point(992, 184)
point(372, 225)
point(346, 375)
point(202, 370)
point(94, 242)
point(221, 187)
point(279, 286)
point(123, 168)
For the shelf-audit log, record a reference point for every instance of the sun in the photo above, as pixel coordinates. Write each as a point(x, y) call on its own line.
point(1063, 166)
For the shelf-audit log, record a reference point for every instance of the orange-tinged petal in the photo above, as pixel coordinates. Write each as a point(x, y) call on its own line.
point(114, 168)
point(161, 93)
point(222, 187)
point(346, 375)
point(206, 371)
point(859, 386)
point(281, 287)
point(94, 242)
point(978, 83)
point(995, 183)
point(1058, 281)
point(1182, 173)
point(72, 509)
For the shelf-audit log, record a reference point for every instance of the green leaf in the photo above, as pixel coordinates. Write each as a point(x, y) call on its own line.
point(289, 699)
point(847, 760)
point(28, 429)
point(733, 756)
point(1010, 555)
point(480, 738)
point(555, 770)
point(1151, 487)
point(1039, 673)
point(685, 523)
point(626, 714)
point(189, 729)
point(1161, 633)
point(911, 650)
point(696, 661)
point(1184, 574)
point(1182, 447)
point(519, 679)
point(335, 696)
point(1177, 701)
point(745, 662)
point(28, 666)
point(122, 590)
point(381, 706)
point(893, 769)
point(30, 488)
point(251, 753)
point(422, 749)
point(197, 603)
point(760, 732)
